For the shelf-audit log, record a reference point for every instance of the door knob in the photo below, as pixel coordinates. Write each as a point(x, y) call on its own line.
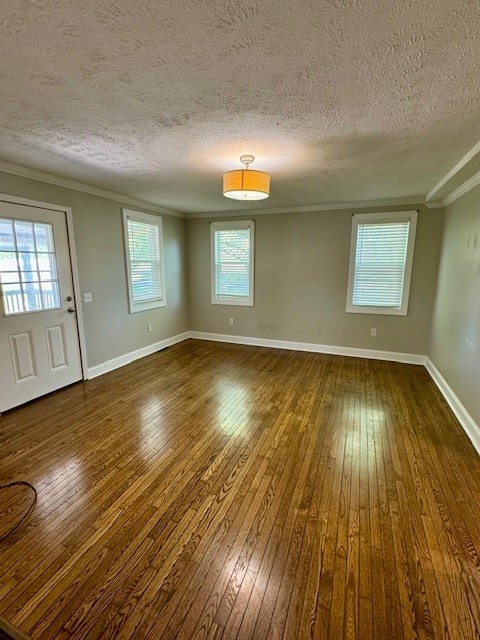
point(71, 309)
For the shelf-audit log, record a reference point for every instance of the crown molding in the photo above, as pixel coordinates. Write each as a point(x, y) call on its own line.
point(462, 189)
point(435, 204)
point(67, 183)
point(462, 163)
point(332, 206)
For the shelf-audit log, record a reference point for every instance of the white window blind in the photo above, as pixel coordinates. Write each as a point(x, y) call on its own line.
point(381, 262)
point(144, 261)
point(232, 263)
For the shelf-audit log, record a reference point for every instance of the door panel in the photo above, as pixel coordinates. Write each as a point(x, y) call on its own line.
point(57, 352)
point(39, 345)
point(23, 358)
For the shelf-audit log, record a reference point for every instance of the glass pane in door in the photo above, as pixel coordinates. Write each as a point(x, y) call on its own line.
point(28, 267)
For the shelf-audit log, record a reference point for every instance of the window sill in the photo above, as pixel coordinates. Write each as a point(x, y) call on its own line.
point(148, 306)
point(383, 311)
point(233, 302)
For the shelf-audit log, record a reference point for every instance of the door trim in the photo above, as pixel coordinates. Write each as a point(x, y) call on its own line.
point(67, 211)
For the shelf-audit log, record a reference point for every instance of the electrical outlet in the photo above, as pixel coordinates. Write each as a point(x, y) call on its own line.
point(231, 322)
point(149, 327)
point(373, 332)
point(87, 297)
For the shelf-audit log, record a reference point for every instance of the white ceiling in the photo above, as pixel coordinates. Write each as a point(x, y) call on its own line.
point(340, 100)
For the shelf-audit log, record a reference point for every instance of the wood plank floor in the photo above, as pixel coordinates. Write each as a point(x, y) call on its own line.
point(223, 491)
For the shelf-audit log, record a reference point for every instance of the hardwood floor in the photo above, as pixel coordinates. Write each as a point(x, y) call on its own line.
point(222, 491)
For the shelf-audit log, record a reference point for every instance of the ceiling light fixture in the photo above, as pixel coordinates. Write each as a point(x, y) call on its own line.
point(246, 184)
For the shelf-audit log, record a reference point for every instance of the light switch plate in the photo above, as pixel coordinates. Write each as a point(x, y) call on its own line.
point(87, 297)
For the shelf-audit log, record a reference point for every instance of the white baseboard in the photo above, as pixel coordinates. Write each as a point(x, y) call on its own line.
point(471, 428)
point(465, 419)
point(374, 354)
point(115, 363)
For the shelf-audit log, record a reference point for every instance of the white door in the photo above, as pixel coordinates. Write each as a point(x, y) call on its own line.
point(39, 345)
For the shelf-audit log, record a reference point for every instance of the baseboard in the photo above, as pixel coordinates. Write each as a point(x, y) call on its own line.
point(374, 354)
point(465, 419)
point(471, 428)
point(115, 363)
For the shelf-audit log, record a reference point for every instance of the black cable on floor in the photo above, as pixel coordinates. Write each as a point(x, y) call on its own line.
point(20, 483)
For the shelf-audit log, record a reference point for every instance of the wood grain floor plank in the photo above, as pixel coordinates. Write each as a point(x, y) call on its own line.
point(229, 492)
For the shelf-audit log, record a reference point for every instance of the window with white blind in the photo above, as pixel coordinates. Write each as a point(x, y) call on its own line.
point(381, 259)
point(144, 258)
point(232, 255)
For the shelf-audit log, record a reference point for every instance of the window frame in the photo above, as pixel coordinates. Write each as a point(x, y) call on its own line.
point(224, 226)
point(153, 220)
point(375, 218)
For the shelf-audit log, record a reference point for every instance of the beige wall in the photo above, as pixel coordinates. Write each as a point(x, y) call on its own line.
point(110, 329)
point(455, 338)
point(300, 280)
point(301, 284)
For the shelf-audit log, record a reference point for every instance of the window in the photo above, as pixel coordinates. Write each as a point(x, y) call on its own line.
point(232, 255)
point(381, 259)
point(28, 268)
point(145, 264)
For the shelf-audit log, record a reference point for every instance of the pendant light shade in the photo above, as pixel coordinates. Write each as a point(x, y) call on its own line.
point(246, 184)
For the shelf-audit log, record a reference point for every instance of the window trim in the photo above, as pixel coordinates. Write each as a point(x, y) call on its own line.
point(147, 218)
point(393, 216)
point(231, 300)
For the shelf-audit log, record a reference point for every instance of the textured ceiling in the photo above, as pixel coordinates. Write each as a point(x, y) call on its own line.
point(341, 100)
